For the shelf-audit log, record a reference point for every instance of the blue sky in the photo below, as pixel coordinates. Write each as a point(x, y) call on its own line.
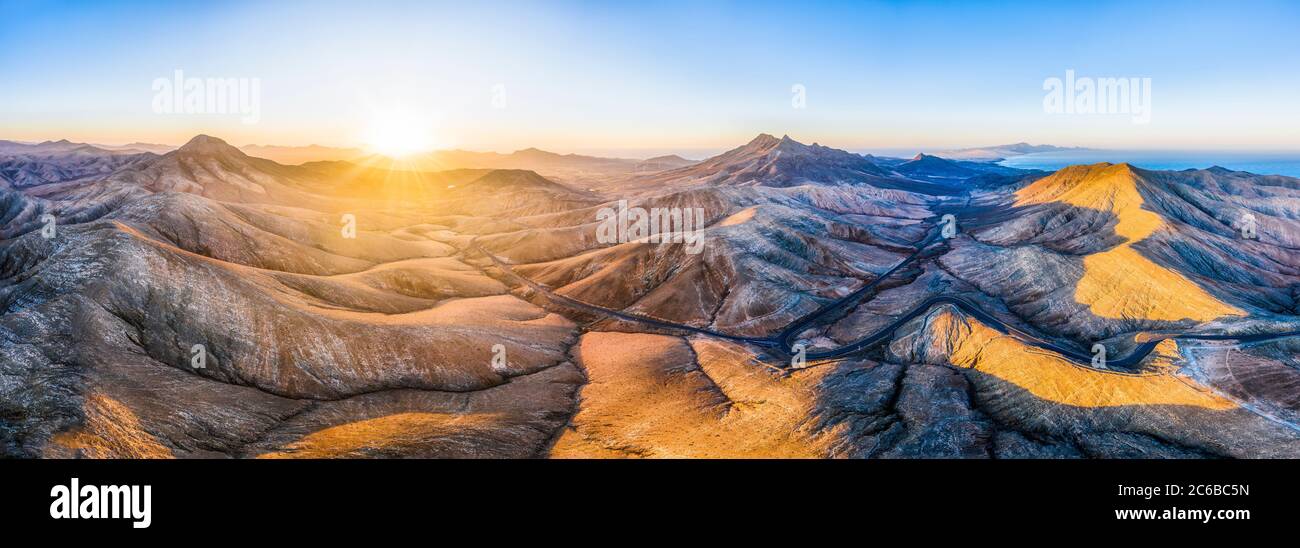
point(688, 76)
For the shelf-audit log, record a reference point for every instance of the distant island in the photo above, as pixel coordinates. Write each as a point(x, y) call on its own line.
point(1000, 152)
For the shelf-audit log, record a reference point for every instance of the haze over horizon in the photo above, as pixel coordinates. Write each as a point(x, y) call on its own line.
point(679, 77)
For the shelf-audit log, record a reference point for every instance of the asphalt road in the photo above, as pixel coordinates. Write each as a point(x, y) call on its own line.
point(785, 340)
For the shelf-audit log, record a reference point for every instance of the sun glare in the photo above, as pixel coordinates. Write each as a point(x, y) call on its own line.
point(397, 135)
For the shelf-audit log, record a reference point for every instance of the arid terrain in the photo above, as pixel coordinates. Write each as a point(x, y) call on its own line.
point(204, 302)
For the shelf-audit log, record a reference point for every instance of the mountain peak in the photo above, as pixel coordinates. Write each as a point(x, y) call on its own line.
point(537, 153)
point(767, 160)
point(207, 144)
point(788, 145)
point(766, 143)
point(1101, 186)
point(764, 140)
point(673, 157)
point(204, 140)
point(931, 159)
point(60, 143)
point(517, 179)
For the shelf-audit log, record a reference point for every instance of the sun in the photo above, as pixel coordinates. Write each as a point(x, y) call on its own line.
point(397, 134)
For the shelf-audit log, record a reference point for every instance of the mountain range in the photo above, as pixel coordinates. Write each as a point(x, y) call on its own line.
point(466, 305)
point(25, 161)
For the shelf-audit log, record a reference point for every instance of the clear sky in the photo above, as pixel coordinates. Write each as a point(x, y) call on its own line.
point(694, 75)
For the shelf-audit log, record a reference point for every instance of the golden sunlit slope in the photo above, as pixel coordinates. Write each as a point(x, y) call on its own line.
point(512, 420)
point(655, 396)
point(1120, 282)
point(1038, 390)
point(967, 343)
point(110, 430)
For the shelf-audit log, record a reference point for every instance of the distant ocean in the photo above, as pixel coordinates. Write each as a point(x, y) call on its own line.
point(1261, 163)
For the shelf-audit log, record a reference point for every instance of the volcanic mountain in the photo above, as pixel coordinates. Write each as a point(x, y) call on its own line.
point(662, 163)
point(209, 303)
point(769, 161)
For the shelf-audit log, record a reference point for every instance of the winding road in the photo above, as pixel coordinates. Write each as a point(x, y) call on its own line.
point(785, 340)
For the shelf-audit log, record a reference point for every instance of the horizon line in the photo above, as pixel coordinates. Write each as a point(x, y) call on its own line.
point(681, 151)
